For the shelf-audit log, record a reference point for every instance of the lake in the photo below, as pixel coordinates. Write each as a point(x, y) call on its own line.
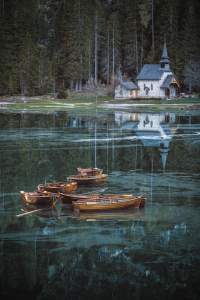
point(55, 253)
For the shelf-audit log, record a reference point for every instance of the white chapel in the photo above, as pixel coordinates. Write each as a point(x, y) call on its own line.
point(155, 81)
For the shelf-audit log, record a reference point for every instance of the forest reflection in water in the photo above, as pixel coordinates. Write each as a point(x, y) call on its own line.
point(56, 253)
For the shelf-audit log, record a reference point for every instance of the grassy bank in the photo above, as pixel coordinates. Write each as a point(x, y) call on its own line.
point(81, 101)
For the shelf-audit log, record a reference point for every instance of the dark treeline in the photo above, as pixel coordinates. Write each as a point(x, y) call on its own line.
point(46, 44)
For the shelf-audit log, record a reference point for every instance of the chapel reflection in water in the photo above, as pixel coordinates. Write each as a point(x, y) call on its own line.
point(154, 130)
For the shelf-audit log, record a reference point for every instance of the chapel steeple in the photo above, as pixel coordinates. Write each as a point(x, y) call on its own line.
point(164, 62)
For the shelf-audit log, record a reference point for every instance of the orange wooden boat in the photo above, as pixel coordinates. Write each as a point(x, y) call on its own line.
point(37, 197)
point(84, 179)
point(90, 171)
point(107, 204)
point(68, 198)
point(55, 187)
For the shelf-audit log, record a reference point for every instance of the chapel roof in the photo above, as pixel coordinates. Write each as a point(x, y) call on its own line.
point(152, 72)
point(167, 81)
point(129, 85)
point(155, 71)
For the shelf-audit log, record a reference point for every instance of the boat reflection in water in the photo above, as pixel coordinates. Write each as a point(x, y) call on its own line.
point(130, 214)
point(56, 212)
point(50, 213)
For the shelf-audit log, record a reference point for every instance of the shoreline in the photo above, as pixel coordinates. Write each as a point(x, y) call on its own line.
point(42, 103)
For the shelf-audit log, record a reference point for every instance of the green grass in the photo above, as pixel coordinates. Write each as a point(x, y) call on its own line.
point(185, 100)
point(48, 103)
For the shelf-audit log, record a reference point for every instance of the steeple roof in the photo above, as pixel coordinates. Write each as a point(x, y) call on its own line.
point(164, 54)
point(164, 57)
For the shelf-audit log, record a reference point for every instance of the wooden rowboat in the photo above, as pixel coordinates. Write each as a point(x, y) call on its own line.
point(55, 187)
point(107, 204)
point(37, 197)
point(90, 171)
point(68, 198)
point(84, 179)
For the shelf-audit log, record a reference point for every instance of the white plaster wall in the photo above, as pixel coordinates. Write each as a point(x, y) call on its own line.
point(157, 92)
point(125, 93)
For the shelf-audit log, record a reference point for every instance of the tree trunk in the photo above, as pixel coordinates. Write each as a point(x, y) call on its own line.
point(108, 60)
point(113, 57)
point(89, 65)
point(152, 31)
point(80, 84)
point(96, 45)
point(142, 49)
point(190, 88)
point(136, 48)
point(76, 85)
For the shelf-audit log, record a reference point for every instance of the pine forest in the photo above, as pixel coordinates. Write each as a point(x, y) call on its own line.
point(67, 43)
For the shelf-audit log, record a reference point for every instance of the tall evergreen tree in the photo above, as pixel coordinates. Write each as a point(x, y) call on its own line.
point(130, 41)
point(8, 77)
point(28, 67)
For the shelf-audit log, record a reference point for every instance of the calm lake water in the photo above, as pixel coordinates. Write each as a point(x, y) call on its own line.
point(150, 253)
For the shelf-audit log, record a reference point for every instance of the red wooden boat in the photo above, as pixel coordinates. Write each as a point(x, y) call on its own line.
point(107, 204)
point(37, 197)
point(90, 171)
point(83, 179)
point(55, 187)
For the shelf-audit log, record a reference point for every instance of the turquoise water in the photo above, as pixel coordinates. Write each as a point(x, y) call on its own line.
point(55, 253)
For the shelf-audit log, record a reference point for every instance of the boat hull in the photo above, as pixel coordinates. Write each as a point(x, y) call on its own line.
point(39, 198)
point(90, 171)
point(83, 179)
point(104, 205)
point(57, 187)
point(68, 198)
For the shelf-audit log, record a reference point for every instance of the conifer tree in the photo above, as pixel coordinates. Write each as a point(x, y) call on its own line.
point(8, 76)
point(45, 82)
point(130, 41)
point(28, 67)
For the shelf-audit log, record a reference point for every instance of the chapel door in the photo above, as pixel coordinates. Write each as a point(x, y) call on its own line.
point(136, 93)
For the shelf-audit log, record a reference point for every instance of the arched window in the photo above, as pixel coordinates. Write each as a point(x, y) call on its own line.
point(152, 87)
point(144, 86)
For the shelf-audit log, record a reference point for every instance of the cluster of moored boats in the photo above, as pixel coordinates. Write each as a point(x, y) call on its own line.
point(59, 192)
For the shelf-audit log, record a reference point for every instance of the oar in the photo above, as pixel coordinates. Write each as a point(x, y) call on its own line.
point(31, 212)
